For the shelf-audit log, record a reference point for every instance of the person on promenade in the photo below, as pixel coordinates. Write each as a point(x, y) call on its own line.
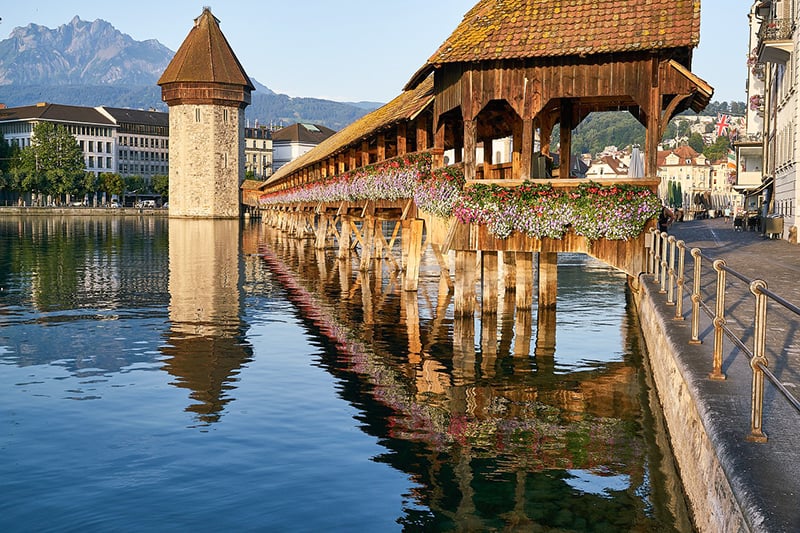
point(727, 212)
point(665, 218)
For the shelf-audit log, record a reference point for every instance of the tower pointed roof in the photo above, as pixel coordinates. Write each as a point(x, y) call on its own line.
point(206, 56)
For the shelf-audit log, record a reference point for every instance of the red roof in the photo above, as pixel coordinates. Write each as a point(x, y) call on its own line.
point(515, 29)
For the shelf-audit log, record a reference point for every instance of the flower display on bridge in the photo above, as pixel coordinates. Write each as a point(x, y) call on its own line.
point(595, 211)
point(614, 212)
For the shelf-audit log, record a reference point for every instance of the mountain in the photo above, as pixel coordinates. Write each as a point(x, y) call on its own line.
point(80, 53)
point(92, 63)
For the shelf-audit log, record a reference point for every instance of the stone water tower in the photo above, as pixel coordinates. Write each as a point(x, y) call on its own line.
point(206, 90)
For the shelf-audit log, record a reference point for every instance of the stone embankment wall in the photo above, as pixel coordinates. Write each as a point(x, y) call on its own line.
point(82, 211)
point(714, 506)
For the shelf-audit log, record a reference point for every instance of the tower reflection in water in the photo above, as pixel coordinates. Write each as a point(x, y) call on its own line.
point(206, 343)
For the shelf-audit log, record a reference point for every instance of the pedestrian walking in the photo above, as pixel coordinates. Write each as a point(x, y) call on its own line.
point(665, 218)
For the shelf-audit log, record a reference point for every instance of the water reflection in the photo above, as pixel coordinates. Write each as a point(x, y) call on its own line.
point(496, 429)
point(206, 343)
point(486, 424)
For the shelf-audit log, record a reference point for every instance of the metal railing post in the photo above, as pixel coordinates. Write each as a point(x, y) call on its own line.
point(656, 254)
point(671, 271)
point(719, 321)
point(698, 265)
point(680, 280)
point(664, 257)
point(758, 361)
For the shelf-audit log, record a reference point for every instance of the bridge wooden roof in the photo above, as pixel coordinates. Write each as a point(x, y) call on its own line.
point(206, 56)
point(406, 106)
point(521, 29)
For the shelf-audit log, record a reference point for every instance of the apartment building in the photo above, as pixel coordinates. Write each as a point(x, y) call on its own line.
point(94, 130)
point(773, 84)
point(258, 152)
point(129, 142)
point(142, 147)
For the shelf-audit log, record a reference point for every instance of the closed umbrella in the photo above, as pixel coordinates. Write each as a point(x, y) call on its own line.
point(636, 168)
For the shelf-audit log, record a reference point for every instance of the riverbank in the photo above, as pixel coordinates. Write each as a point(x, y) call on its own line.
point(81, 211)
point(732, 484)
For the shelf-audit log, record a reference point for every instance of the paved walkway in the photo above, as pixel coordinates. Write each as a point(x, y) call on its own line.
point(765, 477)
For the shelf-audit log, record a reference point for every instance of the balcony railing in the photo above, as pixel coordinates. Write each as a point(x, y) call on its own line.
point(776, 30)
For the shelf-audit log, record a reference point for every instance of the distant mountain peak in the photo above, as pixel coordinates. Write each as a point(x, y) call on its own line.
point(80, 52)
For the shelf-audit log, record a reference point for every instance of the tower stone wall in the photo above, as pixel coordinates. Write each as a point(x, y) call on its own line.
point(206, 160)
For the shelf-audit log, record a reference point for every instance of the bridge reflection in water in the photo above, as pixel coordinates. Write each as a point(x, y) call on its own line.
point(496, 426)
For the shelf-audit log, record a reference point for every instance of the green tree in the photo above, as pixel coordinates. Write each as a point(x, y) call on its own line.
point(111, 183)
point(160, 185)
point(718, 150)
point(91, 183)
point(135, 184)
point(53, 163)
point(696, 142)
point(6, 155)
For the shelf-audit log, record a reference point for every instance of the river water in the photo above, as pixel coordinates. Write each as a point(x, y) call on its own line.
point(175, 375)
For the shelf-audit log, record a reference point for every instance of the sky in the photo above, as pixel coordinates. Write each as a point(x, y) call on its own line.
point(351, 50)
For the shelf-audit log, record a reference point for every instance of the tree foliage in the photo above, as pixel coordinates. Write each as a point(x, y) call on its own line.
point(718, 150)
point(135, 184)
point(52, 164)
point(160, 185)
point(696, 142)
point(112, 183)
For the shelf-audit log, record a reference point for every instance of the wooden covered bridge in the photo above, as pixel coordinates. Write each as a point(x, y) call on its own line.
point(429, 161)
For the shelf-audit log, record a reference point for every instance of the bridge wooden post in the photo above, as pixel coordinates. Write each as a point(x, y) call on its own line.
point(489, 280)
point(322, 231)
point(464, 297)
point(548, 279)
point(524, 280)
point(412, 249)
point(510, 271)
point(368, 241)
point(344, 239)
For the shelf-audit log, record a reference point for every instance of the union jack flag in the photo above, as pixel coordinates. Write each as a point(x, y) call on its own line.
point(722, 124)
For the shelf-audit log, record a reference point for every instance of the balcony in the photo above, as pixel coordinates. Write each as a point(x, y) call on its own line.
point(775, 40)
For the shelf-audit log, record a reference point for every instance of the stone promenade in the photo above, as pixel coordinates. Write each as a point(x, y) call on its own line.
point(764, 478)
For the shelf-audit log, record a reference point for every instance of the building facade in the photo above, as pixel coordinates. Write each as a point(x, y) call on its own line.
point(94, 130)
point(258, 152)
point(774, 69)
point(291, 142)
point(685, 170)
point(142, 140)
